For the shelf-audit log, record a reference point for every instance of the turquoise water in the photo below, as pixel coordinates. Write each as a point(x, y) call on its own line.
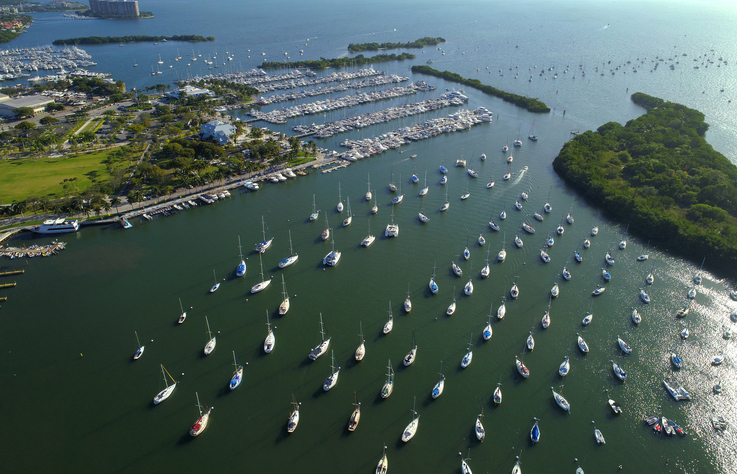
point(71, 386)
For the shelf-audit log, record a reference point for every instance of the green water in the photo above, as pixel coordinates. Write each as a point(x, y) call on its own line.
point(70, 384)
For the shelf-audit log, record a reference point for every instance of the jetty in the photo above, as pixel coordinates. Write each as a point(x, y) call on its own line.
point(32, 251)
point(12, 272)
point(7, 285)
point(371, 82)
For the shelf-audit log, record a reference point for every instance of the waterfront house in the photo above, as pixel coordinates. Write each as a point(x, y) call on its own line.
point(218, 131)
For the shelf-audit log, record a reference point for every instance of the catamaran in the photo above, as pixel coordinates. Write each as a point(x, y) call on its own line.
point(361, 350)
point(286, 261)
point(412, 354)
point(294, 417)
point(284, 306)
point(321, 348)
point(332, 379)
point(140, 350)
point(211, 341)
point(241, 268)
point(339, 207)
point(201, 423)
point(315, 213)
point(270, 340)
point(263, 284)
point(237, 378)
point(388, 387)
point(411, 429)
point(265, 244)
point(166, 393)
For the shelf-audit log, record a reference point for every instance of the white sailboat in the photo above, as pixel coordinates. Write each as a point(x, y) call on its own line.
point(423, 191)
point(375, 207)
point(315, 213)
point(265, 244)
point(369, 239)
point(201, 423)
point(263, 284)
point(332, 379)
point(502, 255)
point(293, 256)
point(183, 314)
point(399, 197)
point(333, 257)
point(347, 221)
point(216, 285)
point(211, 341)
point(452, 308)
point(486, 270)
point(487, 330)
point(368, 193)
point(383, 465)
point(479, 428)
point(241, 268)
point(432, 285)
point(409, 359)
point(440, 386)
point(407, 302)
point(293, 417)
point(390, 323)
point(446, 204)
point(501, 310)
point(466, 361)
point(321, 348)
point(388, 386)
point(270, 340)
point(284, 306)
point(339, 207)
point(361, 350)
point(356, 415)
point(411, 430)
point(168, 390)
point(237, 378)
point(140, 350)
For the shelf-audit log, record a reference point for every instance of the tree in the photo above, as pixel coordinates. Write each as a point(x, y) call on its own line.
point(48, 120)
point(115, 201)
point(25, 125)
point(24, 112)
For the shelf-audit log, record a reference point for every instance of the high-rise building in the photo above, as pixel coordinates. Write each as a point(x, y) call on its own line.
point(114, 7)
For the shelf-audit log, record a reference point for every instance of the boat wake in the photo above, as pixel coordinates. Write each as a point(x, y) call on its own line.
point(519, 178)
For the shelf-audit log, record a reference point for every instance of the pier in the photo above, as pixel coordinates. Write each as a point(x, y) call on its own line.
point(7, 285)
point(372, 82)
point(12, 272)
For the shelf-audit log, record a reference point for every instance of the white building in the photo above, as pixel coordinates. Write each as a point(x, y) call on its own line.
point(189, 91)
point(217, 130)
point(37, 102)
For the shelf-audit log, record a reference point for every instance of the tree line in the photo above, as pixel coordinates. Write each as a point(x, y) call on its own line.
point(323, 63)
point(416, 44)
point(660, 175)
point(532, 105)
point(131, 39)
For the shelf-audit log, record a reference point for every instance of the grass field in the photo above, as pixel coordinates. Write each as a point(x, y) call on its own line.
point(44, 177)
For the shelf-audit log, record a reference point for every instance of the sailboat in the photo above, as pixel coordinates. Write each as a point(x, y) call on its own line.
point(347, 221)
point(383, 465)
point(265, 244)
point(487, 330)
point(432, 285)
point(479, 428)
point(166, 393)
point(375, 207)
point(160, 61)
point(446, 204)
point(237, 374)
point(546, 317)
point(140, 350)
point(565, 366)
point(361, 350)
point(486, 270)
point(332, 379)
point(339, 207)
point(561, 401)
point(369, 239)
point(521, 367)
point(183, 315)
point(409, 359)
point(438, 388)
point(270, 340)
point(411, 429)
point(532, 136)
point(388, 387)
point(502, 255)
point(201, 423)
point(263, 284)
point(407, 302)
point(135, 63)
point(389, 324)
point(333, 257)
point(465, 468)
point(452, 308)
point(518, 142)
point(423, 191)
point(293, 257)
point(501, 310)
point(294, 417)
point(241, 268)
point(284, 306)
point(697, 277)
point(535, 432)
point(498, 393)
point(321, 348)
point(514, 292)
point(392, 186)
point(392, 229)
point(211, 341)
point(400, 197)
point(315, 213)
point(368, 193)
point(326, 233)
point(466, 361)
point(216, 285)
point(356, 415)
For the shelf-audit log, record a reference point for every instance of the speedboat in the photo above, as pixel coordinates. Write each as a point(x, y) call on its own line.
point(616, 407)
point(624, 346)
point(619, 371)
point(598, 291)
point(561, 401)
point(645, 297)
point(582, 344)
point(636, 318)
point(521, 368)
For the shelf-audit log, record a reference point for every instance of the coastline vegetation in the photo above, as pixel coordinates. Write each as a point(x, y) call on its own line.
point(416, 44)
point(532, 105)
point(658, 174)
point(21, 21)
point(323, 63)
point(92, 40)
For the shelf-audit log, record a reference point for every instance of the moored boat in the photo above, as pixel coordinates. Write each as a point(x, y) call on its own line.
point(168, 389)
point(201, 423)
point(521, 368)
point(561, 401)
point(388, 386)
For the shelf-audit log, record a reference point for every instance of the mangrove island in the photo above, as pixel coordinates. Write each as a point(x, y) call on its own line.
point(323, 63)
point(92, 40)
point(416, 44)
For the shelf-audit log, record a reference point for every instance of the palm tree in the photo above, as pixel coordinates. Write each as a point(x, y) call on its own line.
point(115, 201)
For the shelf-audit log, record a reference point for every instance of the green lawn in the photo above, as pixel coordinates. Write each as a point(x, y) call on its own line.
point(43, 177)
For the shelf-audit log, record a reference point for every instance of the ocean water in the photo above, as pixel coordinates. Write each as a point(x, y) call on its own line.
point(70, 384)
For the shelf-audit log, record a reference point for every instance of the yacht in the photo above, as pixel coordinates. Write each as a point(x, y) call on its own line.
point(594, 231)
point(486, 270)
point(619, 371)
point(56, 226)
point(468, 289)
point(456, 269)
point(530, 343)
point(494, 226)
point(498, 394)
point(518, 242)
point(168, 390)
point(407, 302)
point(586, 243)
point(383, 465)
point(472, 173)
point(502, 215)
point(514, 292)
point(400, 197)
point(598, 291)
point(538, 216)
point(554, 291)
point(479, 427)
point(609, 259)
point(544, 256)
point(566, 273)
point(528, 228)
point(446, 204)
point(452, 307)
point(201, 423)
point(356, 415)
point(535, 432)
point(211, 341)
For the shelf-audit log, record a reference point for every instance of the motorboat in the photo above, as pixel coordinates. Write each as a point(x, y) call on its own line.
point(521, 368)
point(619, 371)
point(624, 346)
point(582, 344)
point(616, 407)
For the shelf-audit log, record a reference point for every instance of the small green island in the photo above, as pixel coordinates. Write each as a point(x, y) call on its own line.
point(532, 105)
point(658, 174)
point(92, 40)
point(323, 63)
point(416, 44)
